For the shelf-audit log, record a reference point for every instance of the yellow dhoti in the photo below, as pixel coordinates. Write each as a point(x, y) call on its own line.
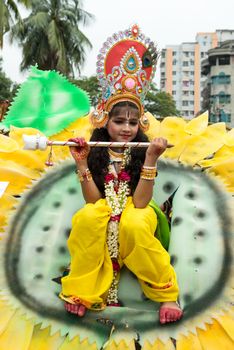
point(91, 271)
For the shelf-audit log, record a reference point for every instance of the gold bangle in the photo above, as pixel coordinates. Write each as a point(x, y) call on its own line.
point(85, 175)
point(146, 167)
point(148, 173)
point(147, 177)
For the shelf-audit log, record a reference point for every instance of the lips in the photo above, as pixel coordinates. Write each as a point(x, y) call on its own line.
point(125, 137)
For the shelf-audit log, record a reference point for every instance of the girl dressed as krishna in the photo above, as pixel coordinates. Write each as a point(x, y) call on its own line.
point(117, 225)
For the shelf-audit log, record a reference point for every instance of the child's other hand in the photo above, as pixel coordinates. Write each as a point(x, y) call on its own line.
point(81, 151)
point(156, 148)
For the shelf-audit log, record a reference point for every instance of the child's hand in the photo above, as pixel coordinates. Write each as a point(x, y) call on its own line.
point(156, 148)
point(81, 151)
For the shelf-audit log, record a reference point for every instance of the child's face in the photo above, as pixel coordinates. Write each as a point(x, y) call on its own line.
point(123, 124)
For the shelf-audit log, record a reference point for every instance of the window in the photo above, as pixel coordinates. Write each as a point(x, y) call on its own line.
point(185, 64)
point(185, 83)
point(174, 82)
point(223, 61)
point(223, 98)
point(222, 78)
point(192, 62)
point(191, 103)
point(220, 116)
point(191, 92)
point(191, 72)
point(174, 72)
point(162, 64)
point(173, 53)
point(184, 103)
point(212, 118)
point(186, 53)
point(173, 92)
point(185, 93)
point(174, 62)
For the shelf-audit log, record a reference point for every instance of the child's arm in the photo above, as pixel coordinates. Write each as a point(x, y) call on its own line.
point(80, 153)
point(144, 190)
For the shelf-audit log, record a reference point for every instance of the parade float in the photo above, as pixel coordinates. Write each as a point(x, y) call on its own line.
point(40, 193)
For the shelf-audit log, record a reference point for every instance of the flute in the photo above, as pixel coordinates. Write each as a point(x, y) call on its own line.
point(38, 142)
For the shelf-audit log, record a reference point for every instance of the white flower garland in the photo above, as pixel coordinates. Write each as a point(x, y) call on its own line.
point(116, 193)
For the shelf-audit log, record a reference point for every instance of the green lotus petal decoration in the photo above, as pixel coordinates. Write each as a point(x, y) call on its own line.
point(47, 101)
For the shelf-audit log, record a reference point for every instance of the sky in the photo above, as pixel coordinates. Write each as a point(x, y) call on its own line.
point(166, 22)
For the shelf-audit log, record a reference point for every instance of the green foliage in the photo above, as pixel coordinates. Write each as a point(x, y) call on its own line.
point(91, 86)
point(50, 36)
point(160, 103)
point(7, 87)
point(156, 102)
point(8, 14)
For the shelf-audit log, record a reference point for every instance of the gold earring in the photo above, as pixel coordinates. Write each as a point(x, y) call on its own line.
point(99, 119)
point(144, 123)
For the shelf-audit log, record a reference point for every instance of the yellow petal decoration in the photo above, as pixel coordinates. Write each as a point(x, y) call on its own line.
point(159, 345)
point(8, 144)
point(17, 334)
point(42, 339)
point(210, 147)
point(122, 345)
point(6, 313)
point(229, 139)
point(154, 129)
point(7, 203)
point(75, 343)
point(215, 337)
point(197, 125)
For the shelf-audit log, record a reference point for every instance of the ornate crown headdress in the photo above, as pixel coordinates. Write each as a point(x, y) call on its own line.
point(126, 65)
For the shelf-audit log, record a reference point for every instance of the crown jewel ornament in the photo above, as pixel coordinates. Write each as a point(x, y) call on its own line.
point(126, 65)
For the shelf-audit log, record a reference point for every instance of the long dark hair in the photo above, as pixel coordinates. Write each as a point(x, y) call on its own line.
point(98, 159)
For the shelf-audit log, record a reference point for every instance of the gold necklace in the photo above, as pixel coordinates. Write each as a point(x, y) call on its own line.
point(115, 156)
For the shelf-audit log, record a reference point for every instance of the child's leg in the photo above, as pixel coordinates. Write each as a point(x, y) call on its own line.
point(91, 270)
point(144, 255)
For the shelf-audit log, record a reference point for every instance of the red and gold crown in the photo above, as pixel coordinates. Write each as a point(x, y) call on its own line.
point(125, 67)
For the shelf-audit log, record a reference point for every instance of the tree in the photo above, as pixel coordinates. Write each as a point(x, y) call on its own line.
point(156, 102)
point(8, 13)
point(7, 87)
point(160, 103)
point(91, 86)
point(7, 91)
point(50, 36)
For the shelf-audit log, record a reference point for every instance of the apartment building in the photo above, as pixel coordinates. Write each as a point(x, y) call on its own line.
point(180, 70)
point(218, 70)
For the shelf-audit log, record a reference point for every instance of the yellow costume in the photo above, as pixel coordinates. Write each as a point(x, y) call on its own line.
point(91, 267)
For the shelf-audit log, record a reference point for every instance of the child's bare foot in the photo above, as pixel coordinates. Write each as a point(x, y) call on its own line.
point(169, 312)
point(77, 309)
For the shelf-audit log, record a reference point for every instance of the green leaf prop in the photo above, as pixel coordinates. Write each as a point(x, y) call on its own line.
point(48, 102)
point(163, 231)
